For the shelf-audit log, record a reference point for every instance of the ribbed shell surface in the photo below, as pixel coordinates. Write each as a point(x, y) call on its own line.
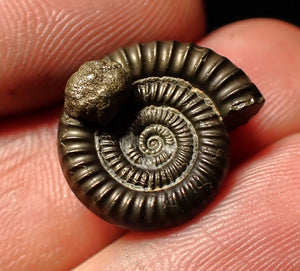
point(164, 156)
point(235, 96)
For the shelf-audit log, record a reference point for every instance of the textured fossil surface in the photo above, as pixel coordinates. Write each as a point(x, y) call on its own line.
point(143, 136)
point(96, 88)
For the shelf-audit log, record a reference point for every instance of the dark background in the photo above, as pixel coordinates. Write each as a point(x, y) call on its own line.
point(221, 12)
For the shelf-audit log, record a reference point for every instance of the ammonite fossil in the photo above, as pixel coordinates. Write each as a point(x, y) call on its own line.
point(143, 135)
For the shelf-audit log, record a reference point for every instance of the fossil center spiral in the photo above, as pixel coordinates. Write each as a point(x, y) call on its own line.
point(155, 138)
point(157, 150)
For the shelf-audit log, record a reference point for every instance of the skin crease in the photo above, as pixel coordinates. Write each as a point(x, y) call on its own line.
point(253, 224)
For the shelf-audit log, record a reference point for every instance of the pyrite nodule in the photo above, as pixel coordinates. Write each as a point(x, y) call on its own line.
point(143, 135)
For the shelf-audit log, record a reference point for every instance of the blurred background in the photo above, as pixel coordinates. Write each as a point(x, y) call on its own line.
point(221, 12)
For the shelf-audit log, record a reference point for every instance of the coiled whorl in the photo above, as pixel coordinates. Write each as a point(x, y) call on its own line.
point(143, 135)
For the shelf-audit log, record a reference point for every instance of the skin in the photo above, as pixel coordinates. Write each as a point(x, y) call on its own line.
point(253, 224)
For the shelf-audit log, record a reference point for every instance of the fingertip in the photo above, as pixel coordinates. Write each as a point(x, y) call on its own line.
point(44, 41)
point(268, 51)
point(247, 230)
point(40, 217)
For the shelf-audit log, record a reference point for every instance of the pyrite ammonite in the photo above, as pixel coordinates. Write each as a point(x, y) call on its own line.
point(143, 135)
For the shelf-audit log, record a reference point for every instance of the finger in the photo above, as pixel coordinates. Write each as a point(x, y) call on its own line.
point(269, 52)
point(43, 225)
point(44, 41)
point(254, 227)
point(128, 251)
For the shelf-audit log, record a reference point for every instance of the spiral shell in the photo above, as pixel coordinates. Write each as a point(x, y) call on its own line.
point(143, 136)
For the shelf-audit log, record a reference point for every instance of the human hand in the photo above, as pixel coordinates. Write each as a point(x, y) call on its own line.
point(253, 223)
